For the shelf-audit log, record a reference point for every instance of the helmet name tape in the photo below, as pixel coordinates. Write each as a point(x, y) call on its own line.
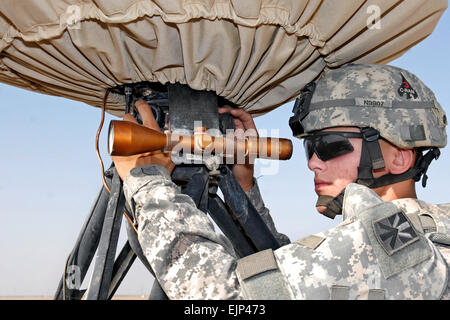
point(362, 102)
point(372, 103)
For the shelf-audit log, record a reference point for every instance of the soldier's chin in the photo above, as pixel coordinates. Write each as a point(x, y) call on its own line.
point(321, 209)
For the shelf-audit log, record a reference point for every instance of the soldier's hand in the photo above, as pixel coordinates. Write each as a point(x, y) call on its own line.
point(244, 127)
point(125, 164)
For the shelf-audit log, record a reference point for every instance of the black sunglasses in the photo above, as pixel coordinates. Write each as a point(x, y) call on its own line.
point(329, 144)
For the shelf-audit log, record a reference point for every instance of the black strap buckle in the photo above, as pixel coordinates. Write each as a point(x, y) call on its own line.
point(422, 164)
point(370, 134)
point(371, 155)
point(301, 109)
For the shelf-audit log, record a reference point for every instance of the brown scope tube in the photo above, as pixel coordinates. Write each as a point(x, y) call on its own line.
point(126, 138)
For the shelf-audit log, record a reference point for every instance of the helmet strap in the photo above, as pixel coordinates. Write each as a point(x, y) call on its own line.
point(371, 156)
point(422, 164)
point(372, 159)
point(333, 204)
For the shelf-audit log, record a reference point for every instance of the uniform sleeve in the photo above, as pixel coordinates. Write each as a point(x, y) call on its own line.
point(190, 259)
point(255, 198)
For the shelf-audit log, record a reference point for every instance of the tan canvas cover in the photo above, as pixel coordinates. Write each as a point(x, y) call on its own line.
point(256, 53)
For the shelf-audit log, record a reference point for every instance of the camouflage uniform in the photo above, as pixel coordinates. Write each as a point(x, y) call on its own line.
point(192, 261)
point(381, 250)
point(179, 240)
point(350, 261)
point(378, 251)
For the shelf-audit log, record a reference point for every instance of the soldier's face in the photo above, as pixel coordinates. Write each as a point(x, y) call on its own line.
point(332, 176)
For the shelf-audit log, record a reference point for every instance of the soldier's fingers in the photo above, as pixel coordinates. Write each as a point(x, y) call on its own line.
point(238, 125)
point(251, 132)
point(225, 109)
point(129, 117)
point(243, 122)
point(245, 118)
point(146, 113)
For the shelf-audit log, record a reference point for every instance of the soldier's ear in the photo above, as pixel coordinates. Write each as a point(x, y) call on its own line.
point(400, 160)
point(396, 160)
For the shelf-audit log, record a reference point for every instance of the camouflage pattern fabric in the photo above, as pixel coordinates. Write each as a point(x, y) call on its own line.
point(192, 261)
point(346, 266)
point(440, 215)
point(392, 100)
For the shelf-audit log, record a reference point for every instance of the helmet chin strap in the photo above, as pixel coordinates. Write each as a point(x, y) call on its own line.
point(333, 205)
point(372, 159)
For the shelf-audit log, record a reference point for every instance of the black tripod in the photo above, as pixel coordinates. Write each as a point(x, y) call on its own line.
point(235, 216)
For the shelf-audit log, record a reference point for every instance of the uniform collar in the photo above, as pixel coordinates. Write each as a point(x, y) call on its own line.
point(357, 198)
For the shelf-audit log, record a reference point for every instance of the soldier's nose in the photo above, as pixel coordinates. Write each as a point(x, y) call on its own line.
point(315, 164)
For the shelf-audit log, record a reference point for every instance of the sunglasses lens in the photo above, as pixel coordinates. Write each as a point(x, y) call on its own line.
point(327, 146)
point(309, 147)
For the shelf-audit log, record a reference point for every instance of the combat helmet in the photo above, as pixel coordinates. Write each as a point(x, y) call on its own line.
point(384, 102)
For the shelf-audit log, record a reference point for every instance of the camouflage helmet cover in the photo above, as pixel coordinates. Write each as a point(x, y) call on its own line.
point(389, 99)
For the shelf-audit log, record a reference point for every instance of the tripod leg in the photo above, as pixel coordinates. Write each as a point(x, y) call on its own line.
point(157, 292)
point(249, 219)
point(203, 194)
point(85, 246)
point(101, 277)
point(123, 263)
point(221, 216)
point(197, 189)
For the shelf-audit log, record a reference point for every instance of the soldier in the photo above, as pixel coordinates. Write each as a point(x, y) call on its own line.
point(365, 131)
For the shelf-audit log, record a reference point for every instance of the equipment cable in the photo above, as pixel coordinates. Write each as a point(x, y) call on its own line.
point(105, 98)
point(97, 139)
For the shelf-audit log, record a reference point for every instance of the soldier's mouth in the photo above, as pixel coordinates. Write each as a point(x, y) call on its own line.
point(320, 185)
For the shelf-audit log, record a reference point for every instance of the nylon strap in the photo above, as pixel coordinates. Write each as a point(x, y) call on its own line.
point(365, 176)
point(372, 147)
point(371, 157)
point(333, 205)
point(390, 179)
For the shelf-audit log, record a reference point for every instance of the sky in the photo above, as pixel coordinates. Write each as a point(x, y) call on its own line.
point(50, 176)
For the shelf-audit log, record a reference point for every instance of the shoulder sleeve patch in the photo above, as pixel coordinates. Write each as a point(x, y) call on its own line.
point(312, 241)
point(396, 243)
point(394, 232)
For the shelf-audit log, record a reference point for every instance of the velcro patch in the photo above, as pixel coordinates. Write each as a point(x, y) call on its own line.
point(256, 263)
point(394, 232)
point(311, 241)
point(413, 133)
point(395, 242)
